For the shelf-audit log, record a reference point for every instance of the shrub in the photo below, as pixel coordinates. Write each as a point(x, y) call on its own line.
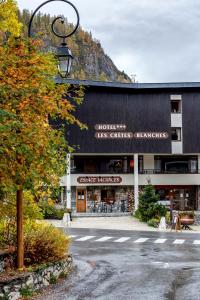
point(137, 214)
point(44, 243)
point(153, 222)
point(50, 211)
point(7, 234)
point(26, 292)
point(53, 279)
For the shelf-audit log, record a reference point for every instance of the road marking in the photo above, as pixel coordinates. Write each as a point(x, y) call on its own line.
point(104, 238)
point(141, 240)
point(178, 241)
point(122, 240)
point(160, 241)
point(86, 238)
point(196, 242)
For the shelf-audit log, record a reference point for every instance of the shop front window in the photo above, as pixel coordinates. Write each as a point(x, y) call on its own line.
point(109, 199)
point(181, 198)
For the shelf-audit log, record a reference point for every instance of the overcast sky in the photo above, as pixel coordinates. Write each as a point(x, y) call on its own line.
point(158, 40)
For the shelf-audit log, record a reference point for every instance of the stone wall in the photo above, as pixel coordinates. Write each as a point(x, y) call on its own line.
point(12, 288)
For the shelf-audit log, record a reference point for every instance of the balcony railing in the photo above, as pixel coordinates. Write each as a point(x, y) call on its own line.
point(79, 171)
point(154, 171)
point(144, 171)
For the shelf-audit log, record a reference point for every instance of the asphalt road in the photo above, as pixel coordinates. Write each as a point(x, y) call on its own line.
point(127, 265)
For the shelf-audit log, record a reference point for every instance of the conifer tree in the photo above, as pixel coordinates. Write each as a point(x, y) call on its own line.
point(148, 207)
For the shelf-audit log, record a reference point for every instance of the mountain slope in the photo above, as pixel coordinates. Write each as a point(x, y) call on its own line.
point(90, 60)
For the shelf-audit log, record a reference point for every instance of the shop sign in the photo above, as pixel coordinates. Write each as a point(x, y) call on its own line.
point(99, 179)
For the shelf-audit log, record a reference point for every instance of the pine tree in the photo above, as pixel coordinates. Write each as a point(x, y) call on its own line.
point(148, 207)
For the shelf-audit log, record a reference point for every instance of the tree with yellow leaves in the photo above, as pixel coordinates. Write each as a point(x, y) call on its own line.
point(9, 22)
point(31, 149)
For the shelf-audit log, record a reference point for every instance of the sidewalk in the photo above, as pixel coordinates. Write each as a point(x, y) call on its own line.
point(117, 223)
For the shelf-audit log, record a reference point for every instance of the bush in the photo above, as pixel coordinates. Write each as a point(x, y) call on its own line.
point(7, 234)
point(137, 214)
point(153, 222)
point(43, 243)
point(49, 210)
point(26, 292)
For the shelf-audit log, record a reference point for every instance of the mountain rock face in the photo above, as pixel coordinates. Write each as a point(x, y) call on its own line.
point(90, 61)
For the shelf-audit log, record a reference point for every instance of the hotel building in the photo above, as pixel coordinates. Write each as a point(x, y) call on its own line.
point(137, 134)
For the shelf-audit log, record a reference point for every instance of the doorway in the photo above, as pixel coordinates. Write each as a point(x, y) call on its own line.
point(81, 200)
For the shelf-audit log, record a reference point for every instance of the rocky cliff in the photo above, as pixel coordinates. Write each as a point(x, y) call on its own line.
point(90, 60)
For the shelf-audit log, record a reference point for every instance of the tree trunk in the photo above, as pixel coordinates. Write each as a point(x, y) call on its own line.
point(20, 231)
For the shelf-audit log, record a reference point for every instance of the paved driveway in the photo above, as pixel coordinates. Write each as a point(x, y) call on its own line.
point(131, 265)
point(116, 223)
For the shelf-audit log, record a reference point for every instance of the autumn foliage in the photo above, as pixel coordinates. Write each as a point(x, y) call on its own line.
point(31, 149)
point(9, 22)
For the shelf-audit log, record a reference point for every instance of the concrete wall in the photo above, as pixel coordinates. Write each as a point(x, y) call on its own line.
point(176, 120)
point(171, 179)
point(177, 147)
point(156, 179)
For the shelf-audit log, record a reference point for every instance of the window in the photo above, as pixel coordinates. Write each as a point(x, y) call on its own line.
point(175, 106)
point(176, 134)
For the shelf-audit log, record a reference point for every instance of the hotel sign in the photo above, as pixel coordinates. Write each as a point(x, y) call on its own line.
point(151, 135)
point(114, 135)
point(99, 179)
point(118, 131)
point(110, 127)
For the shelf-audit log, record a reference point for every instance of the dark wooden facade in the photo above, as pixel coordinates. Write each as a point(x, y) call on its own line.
point(142, 109)
point(191, 122)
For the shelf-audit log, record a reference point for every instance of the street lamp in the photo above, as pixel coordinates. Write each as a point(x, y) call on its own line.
point(63, 52)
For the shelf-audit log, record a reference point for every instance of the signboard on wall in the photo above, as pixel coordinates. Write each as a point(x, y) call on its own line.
point(118, 131)
point(99, 179)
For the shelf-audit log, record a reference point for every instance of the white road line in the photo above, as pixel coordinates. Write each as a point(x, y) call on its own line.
point(85, 238)
point(178, 241)
point(160, 241)
point(196, 242)
point(104, 238)
point(122, 240)
point(141, 240)
point(73, 236)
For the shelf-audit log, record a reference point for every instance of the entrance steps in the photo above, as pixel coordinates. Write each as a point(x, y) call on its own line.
point(89, 214)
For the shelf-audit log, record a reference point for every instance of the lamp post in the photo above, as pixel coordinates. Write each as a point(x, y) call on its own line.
point(65, 58)
point(63, 52)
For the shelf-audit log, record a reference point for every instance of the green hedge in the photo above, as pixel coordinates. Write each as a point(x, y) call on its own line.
point(50, 211)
